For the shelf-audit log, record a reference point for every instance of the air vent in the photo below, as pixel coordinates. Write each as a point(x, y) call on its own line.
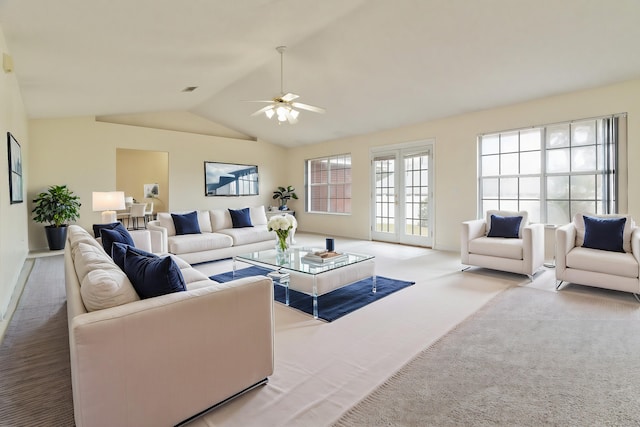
point(190, 88)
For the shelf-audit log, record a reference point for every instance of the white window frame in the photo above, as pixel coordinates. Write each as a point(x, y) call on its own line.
point(612, 131)
point(334, 159)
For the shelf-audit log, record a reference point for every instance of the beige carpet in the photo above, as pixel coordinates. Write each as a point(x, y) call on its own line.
point(321, 369)
point(35, 376)
point(528, 358)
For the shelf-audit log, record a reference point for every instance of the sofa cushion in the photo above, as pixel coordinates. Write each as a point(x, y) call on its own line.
point(604, 233)
point(578, 220)
point(220, 219)
point(240, 218)
point(77, 234)
point(505, 226)
point(186, 223)
point(502, 248)
point(152, 276)
point(117, 234)
point(523, 223)
point(608, 262)
point(105, 288)
point(198, 242)
point(204, 283)
point(245, 236)
point(87, 257)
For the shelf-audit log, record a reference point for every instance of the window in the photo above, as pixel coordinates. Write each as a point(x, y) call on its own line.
point(329, 184)
point(551, 171)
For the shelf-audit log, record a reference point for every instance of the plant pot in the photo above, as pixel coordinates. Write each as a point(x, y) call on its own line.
point(56, 236)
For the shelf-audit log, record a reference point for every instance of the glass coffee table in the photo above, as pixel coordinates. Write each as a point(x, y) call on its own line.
point(298, 269)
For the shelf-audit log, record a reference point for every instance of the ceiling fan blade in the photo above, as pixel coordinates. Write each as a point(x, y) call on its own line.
point(262, 110)
point(260, 100)
point(308, 107)
point(289, 97)
point(292, 120)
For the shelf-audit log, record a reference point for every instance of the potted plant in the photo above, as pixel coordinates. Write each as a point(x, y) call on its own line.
point(56, 207)
point(284, 194)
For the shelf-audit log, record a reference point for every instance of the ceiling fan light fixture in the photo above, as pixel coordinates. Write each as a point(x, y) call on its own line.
point(269, 113)
point(282, 106)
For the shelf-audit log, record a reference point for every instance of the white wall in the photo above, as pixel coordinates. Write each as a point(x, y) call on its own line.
point(81, 153)
point(86, 149)
point(13, 218)
point(456, 157)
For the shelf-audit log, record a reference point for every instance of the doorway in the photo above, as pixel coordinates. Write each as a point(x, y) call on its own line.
point(144, 175)
point(402, 194)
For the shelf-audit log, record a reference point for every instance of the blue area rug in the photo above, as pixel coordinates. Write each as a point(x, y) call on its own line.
point(333, 305)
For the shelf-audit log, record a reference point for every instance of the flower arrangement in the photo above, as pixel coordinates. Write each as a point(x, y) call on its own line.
point(282, 224)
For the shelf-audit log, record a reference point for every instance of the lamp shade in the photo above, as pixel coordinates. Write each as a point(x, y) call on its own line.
point(108, 202)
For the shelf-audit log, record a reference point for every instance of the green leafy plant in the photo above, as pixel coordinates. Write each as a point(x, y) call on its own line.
point(284, 194)
point(56, 206)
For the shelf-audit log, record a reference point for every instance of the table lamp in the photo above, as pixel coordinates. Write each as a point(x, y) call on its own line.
point(108, 202)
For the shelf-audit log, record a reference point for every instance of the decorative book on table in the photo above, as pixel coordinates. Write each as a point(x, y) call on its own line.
point(323, 257)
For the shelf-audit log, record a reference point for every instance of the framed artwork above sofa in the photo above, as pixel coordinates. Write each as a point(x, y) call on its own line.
point(229, 179)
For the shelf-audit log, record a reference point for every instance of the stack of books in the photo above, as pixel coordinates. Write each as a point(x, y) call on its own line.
point(322, 257)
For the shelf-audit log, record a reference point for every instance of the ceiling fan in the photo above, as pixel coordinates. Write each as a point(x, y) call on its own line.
point(283, 107)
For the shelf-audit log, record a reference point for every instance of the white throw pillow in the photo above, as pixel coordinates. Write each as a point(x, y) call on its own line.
point(523, 223)
point(106, 288)
point(88, 257)
point(258, 215)
point(220, 219)
point(629, 225)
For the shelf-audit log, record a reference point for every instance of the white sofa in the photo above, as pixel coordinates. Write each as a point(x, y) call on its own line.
point(522, 255)
point(217, 239)
point(162, 360)
point(594, 267)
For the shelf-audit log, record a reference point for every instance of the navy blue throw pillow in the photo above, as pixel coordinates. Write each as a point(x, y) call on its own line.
point(505, 226)
point(97, 228)
point(119, 252)
point(116, 234)
point(186, 223)
point(604, 233)
point(240, 218)
point(153, 276)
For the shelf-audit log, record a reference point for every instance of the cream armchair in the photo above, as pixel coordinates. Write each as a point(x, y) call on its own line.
point(616, 268)
point(521, 254)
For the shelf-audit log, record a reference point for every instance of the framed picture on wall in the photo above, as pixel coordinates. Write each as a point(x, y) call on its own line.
point(15, 170)
point(151, 191)
point(229, 179)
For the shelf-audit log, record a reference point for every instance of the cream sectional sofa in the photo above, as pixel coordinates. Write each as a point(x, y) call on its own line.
point(162, 360)
point(217, 239)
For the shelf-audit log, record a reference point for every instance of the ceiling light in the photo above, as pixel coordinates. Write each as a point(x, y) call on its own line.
point(283, 106)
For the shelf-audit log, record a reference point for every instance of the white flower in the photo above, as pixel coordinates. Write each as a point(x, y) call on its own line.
point(281, 222)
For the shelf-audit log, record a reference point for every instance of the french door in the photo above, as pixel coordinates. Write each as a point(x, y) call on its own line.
point(402, 195)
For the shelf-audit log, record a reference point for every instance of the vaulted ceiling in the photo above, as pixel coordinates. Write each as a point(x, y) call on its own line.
point(373, 64)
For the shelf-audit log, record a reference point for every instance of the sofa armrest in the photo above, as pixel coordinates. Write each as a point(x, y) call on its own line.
point(470, 230)
point(565, 241)
point(162, 238)
point(161, 360)
point(533, 247)
point(635, 244)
